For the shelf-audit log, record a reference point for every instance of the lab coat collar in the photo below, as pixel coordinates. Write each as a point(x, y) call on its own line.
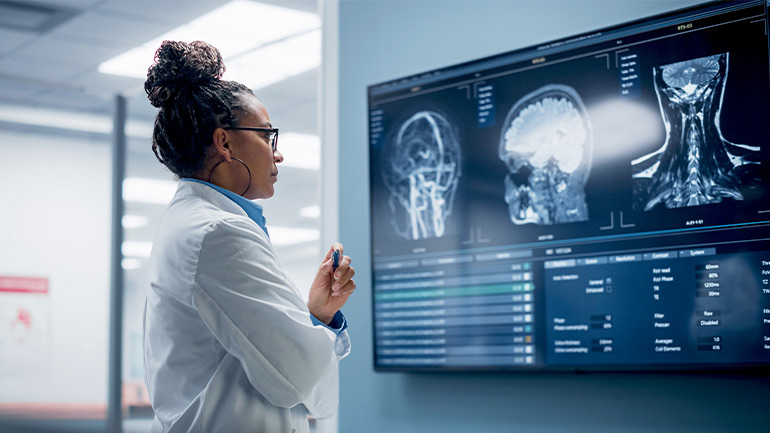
point(253, 210)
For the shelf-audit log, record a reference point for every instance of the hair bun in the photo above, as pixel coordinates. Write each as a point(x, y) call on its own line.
point(180, 65)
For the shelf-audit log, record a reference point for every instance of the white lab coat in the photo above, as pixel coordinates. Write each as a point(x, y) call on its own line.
point(228, 341)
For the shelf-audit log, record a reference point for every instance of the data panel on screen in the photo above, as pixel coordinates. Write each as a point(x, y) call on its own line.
point(600, 202)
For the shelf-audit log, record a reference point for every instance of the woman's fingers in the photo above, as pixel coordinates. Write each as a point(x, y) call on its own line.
point(343, 275)
point(346, 289)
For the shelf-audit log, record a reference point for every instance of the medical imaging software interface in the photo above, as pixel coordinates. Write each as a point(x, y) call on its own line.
point(599, 202)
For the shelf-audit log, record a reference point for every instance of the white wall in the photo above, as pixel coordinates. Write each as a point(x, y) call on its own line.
point(54, 223)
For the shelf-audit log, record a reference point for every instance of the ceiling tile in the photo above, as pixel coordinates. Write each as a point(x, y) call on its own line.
point(107, 83)
point(12, 40)
point(68, 55)
point(97, 29)
point(65, 99)
point(41, 70)
point(84, 54)
point(16, 91)
point(293, 102)
point(301, 118)
point(170, 13)
point(77, 5)
point(304, 85)
point(302, 5)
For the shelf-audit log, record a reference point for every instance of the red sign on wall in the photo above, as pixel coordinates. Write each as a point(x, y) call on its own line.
point(23, 284)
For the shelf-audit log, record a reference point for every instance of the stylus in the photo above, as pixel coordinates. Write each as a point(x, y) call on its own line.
point(335, 259)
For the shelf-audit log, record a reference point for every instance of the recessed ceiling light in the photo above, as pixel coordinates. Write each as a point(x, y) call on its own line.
point(131, 264)
point(260, 43)
point(136, 249)
point(135, 221)
point(70, 120)
point(146, 190)
point(277, 61)
point(313, 211)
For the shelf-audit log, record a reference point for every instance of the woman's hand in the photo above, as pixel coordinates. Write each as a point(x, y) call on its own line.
point(331, 289)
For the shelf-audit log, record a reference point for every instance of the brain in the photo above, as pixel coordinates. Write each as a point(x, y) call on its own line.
point(550, 129)
point(421, 170)
point(691, 72)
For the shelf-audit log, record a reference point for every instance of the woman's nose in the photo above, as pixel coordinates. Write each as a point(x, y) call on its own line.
point(277, 156)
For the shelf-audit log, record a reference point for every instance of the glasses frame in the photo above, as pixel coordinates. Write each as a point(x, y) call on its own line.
point(272, 138)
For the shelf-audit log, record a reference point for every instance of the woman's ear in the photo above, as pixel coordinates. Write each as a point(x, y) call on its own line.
point(221, 139)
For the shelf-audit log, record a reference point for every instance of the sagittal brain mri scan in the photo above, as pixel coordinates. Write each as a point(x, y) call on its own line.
point(695, 165)
point(546, 144)
point(421, 170)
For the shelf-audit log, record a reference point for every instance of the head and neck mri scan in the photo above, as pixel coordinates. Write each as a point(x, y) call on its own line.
point(546, 144)
point(695, 165)
point(421, 170)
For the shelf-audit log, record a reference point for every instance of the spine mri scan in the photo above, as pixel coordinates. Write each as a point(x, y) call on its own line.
point(695, 165)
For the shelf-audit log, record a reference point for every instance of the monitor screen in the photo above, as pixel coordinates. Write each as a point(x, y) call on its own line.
point(600, 202)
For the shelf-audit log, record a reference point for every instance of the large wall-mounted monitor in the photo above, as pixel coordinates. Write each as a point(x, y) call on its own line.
point(600, 202)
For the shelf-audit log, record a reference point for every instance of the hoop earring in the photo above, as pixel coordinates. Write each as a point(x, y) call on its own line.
point(211, 173)
point(247, 171)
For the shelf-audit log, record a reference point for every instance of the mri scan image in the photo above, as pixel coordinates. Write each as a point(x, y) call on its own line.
point(421, 169)
point(547, 143)
point(695, 165)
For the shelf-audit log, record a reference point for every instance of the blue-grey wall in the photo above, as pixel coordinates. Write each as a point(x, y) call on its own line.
point(385, 39)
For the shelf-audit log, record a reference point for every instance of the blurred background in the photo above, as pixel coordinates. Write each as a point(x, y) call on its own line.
point(69, 71)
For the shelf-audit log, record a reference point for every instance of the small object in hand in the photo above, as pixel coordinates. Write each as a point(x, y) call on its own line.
point(335, 259)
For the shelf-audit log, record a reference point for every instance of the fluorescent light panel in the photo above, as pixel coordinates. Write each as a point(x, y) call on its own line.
point(260, 43)
point(300, 150)
point(135, 221)
point(313, 211)
point(277, 61)
point(130, 264)
point(136, 249)
point(146, 190)
point(70, 120)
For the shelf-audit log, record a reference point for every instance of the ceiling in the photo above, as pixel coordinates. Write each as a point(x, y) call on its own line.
point(53, 62)
point(49, 54)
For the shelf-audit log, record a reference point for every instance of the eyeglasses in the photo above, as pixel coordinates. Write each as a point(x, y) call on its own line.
point(272, 133)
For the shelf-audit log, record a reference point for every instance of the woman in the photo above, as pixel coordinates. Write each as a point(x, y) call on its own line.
point(230, 345)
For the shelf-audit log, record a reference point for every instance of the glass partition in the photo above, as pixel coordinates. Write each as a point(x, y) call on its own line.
point(54, 273)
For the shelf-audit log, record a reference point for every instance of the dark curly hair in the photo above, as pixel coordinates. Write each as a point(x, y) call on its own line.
point(185, 83)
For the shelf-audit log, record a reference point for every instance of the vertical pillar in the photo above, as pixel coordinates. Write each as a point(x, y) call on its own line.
point(115, 380)
point(329, 129)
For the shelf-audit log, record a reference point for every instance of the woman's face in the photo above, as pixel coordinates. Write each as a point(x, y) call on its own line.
point(253, 148)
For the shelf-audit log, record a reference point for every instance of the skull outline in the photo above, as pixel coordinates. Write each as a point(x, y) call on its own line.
point(421, 170)
point(547, 143)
